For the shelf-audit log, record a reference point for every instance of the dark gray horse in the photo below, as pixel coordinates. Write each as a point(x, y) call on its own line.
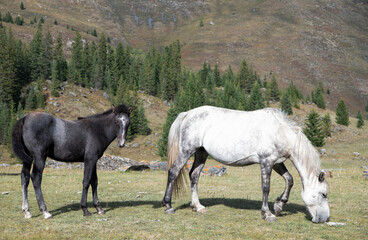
point(39, 135)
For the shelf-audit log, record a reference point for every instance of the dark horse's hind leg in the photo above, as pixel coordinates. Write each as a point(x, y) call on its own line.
point(280, 201)
point(94, 183)
point(200, 158)
point(25, 177)
point(172, 175)
point(38, 166)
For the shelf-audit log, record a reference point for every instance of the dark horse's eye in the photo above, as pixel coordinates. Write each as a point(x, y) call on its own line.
point(324, 195)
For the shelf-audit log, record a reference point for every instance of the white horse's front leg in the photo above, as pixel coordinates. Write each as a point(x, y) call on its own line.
point(266, 169)
point(200, 158)
point(280, 201)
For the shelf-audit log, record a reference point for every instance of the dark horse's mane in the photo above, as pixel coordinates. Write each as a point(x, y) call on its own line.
point(120, 109)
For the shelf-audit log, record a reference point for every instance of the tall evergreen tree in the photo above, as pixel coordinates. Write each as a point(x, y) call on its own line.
point(217, 76)
point(48, 54)
point(273, 89)
point(360, 122)
point(326, 125)
point(61, 66)
point(4, 122)
point(286, 104)
point(101, 63)
point(7, 66)
point(294, 95)
point(318, 98)
point(22, 6)
point(313, 129)
point(255, 100)
point(76, 60)
point(342, 114)
point(37, 60)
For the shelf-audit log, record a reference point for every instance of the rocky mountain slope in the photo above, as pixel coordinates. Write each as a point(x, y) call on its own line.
point(301, 41)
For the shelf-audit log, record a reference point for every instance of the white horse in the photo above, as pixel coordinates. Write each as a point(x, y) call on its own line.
point(239, 138)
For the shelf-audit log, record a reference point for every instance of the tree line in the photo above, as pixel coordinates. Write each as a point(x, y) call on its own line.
point(122, 71)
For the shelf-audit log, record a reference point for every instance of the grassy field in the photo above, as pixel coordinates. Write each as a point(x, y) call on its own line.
point(132, 204)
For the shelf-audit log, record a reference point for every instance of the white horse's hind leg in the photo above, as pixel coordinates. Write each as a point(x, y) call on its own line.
point(200, 158)
point(173, 173)
point(266, 169)
point(280, 201)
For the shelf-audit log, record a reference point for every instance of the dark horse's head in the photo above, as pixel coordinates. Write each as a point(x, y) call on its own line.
point(122, 120)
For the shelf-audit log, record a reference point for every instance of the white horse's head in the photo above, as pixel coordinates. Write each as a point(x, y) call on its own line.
point(314, 196)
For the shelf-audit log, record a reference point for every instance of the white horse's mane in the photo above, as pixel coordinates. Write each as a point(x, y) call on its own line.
point(303, 150)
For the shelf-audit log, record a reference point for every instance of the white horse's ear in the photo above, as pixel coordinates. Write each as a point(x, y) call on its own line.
point(130, 109)
point(321, 177)
point(114, 109)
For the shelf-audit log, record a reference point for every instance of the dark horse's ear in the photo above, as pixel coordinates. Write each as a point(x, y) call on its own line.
point(130, 109)
point(114, 111)
point(321, 177)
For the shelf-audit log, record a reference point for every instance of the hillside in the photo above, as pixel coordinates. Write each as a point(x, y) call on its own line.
point(76, 101)
point(301, 41)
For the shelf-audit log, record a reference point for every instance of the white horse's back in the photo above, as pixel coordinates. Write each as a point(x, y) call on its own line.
point(237, 137)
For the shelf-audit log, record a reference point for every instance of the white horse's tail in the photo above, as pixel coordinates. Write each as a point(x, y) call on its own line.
point(173, 151)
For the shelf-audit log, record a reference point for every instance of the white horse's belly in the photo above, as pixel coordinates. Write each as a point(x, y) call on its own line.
point(234, 153)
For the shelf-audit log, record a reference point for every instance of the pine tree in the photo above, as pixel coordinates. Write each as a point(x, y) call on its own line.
point(255, 100)
point(143, 129)
point(326, 125)
point(101, 63)
point(56, 22)
point(31, 102)
point(4, 122)
point(360, 122)
point(12, 120)
point(201, 23)
point(7, 66)
point(37, 61)
point(313, 129)
point(8, 18)
point(342, 114)
point(294, 95)
point(273, 89)
point(318, 98)
point(366, 107)
point(286, 104)
point(48, 54)
point(76, 60)
point(217, 76)
point(55, 84)
point(22, 6)
point(61, 66)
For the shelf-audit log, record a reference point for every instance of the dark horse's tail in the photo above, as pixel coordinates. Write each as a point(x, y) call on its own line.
point(17, 142)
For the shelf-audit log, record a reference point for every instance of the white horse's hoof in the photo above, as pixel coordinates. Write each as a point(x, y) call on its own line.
point(101, 212)
point(271, 219)
point(278, 208)
point(202, 210)
point(170, 211)
point(47, 215)
point(27, 215)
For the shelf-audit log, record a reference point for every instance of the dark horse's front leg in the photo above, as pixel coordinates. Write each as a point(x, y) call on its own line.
point(89, 168)
point(266, 169)
point(94, 183)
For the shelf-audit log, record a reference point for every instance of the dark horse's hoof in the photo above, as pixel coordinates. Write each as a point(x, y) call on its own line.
point(170, 211)
point(87, 213)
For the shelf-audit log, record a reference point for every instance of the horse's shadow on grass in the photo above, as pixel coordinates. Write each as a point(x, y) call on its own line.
point(246, 204)
point(236, 203)
point(106, 206)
